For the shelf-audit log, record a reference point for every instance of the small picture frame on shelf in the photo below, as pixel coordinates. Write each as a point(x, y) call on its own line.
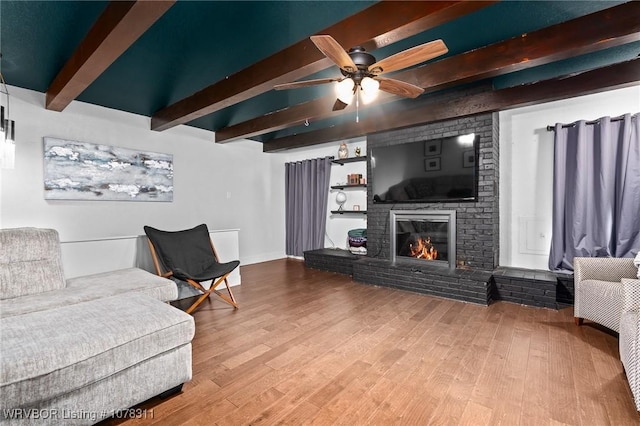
point(432, 148)
point(432, 164)
point(468, 158)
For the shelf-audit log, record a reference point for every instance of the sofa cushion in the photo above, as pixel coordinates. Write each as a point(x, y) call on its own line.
point(50, 353)
point(91, 287)
point(30, 262)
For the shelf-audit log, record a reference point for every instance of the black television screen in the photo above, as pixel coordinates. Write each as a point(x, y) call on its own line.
point(437, 170)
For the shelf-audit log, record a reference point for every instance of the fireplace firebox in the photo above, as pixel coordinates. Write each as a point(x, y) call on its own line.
point(421, 236)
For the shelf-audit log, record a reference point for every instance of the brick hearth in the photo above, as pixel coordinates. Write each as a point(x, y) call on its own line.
point(477, 222)
point(523, 286)
point(461, 284)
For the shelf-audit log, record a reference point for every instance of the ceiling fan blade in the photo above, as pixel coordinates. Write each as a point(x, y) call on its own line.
point(332, 50)
point(401, 88)
point(304, 83)
point(409, 57)
point(339, 105)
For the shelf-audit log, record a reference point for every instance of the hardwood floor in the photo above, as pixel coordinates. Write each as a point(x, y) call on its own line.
point(312, 347)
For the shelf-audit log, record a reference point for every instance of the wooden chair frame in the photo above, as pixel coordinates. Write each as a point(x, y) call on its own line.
point(231, 300)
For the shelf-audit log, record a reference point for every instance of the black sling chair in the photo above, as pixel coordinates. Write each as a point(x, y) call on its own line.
point(190, 256)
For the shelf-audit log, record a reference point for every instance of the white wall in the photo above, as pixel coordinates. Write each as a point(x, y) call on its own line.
point(230, 186)
point(339, 225)
point(526, 170)
point(86, 257)
point(237, 186)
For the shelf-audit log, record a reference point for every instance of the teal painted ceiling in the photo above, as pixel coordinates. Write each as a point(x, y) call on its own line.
point(197, 43)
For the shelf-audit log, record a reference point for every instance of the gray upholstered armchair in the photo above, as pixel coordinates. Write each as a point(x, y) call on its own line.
point(630, 335)
point(598, 289)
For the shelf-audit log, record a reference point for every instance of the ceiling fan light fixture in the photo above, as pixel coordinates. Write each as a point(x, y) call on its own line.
point(361, 71)
point(344, 90)
point(370, 89)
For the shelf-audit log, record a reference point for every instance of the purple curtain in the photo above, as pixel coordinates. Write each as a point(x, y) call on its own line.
point(306, 197)
point(596, 190)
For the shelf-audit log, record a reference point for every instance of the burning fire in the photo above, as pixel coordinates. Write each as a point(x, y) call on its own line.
point(423, 249)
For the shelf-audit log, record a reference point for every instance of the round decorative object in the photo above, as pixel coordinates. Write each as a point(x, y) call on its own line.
point(341, 198)
point(358, 151)
point(343, 152)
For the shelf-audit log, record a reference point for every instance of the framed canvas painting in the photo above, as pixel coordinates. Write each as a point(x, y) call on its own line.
point(85, 171)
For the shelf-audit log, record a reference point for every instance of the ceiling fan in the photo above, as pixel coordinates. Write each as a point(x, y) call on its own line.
point(362, 72)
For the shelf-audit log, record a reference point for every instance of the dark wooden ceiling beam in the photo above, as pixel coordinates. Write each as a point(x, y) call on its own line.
point(601, 30)
point(381, 24)
point(616, 76)
point(117, 28)
point(597, 31)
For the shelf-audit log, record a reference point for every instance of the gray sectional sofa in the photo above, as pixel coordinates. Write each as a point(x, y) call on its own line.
point(78, 351)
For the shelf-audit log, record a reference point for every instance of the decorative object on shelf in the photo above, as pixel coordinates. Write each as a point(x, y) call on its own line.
point(354, 179)
point(341, 198)
point(358, 151)
point(85, 171)
point(7, 131)
point(343, 152)
point(356, 207)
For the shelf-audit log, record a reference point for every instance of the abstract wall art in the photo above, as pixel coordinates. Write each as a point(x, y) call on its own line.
point(85, 171)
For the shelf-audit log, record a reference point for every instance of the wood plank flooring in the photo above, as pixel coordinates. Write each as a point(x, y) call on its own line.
point(313, 347)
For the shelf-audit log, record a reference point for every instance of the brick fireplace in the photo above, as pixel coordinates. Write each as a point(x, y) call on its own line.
point(476, 276)
point(477, 239)
point(473, 254)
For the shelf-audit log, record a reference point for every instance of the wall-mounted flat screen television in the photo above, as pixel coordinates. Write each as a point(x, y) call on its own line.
point(428, 171)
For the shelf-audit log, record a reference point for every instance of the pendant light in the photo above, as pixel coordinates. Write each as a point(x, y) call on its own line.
point(7, 130)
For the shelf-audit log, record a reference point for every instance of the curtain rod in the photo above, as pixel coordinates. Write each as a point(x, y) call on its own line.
point(565, 126)
point(330, 157)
